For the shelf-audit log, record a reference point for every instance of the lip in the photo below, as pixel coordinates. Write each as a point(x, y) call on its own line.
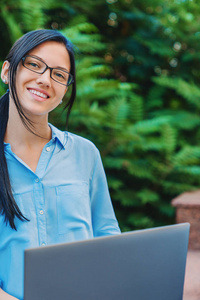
point(37, 97)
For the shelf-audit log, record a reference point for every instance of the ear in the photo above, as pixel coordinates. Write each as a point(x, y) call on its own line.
point(4, 71)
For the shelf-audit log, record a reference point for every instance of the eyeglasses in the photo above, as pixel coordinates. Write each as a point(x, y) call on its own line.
point(38, 66)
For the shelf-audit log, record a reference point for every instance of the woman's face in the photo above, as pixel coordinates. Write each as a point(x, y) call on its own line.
point(39, 93)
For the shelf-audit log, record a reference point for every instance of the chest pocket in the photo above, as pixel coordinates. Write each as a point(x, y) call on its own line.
point(73, 207)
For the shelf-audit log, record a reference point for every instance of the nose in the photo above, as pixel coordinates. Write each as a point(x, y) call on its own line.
point(44, 79)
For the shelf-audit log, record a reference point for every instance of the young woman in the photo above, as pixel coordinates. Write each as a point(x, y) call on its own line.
point(53, 187)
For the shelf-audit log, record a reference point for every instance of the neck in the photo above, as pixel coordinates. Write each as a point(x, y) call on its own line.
point(17, 133)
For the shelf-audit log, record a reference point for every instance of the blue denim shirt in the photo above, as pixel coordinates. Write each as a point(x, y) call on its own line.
point(66, 199)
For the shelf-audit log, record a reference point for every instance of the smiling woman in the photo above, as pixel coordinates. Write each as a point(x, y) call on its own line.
point(53, 188)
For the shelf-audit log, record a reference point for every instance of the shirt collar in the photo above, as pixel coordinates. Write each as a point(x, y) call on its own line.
point(60, 136)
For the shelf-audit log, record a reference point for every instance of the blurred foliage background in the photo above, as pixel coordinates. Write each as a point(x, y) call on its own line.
point(138, 100)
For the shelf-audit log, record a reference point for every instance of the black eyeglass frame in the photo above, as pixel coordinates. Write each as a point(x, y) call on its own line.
point(47, 67)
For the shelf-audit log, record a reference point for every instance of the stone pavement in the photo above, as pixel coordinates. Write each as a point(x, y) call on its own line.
point(192, 276)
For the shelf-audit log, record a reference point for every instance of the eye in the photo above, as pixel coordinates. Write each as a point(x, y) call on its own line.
point(32, 64)
point(60, 75)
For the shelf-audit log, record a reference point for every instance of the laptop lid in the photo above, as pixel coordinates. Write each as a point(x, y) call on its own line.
point(141, 265)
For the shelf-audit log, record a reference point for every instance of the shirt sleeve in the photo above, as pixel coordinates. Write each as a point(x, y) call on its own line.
point(103, 217)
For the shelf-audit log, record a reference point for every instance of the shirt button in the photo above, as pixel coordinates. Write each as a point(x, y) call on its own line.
point(41, 212)
point(37, 180)
point(48, 149)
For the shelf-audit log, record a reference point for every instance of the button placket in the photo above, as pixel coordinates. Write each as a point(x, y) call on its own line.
point(39, 193)
point(40, 210)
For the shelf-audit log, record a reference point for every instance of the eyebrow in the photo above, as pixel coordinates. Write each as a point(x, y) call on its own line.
point(58, 67)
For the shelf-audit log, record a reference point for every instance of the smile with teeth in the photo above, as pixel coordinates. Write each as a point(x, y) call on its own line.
point(38, 94)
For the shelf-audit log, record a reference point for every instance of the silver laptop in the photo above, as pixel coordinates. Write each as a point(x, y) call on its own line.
point(141, 265)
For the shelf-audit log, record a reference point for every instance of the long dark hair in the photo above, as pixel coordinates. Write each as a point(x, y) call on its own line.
point(8, 206)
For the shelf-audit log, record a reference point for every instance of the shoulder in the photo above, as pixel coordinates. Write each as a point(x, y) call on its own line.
point(82, 150)
point(82, 147)
point(79, 140)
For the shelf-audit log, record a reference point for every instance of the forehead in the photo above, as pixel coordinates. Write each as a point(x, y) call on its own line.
point(53, 53)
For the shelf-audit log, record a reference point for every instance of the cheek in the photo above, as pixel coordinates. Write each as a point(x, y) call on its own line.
point(21, 79)
point(60, 94)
